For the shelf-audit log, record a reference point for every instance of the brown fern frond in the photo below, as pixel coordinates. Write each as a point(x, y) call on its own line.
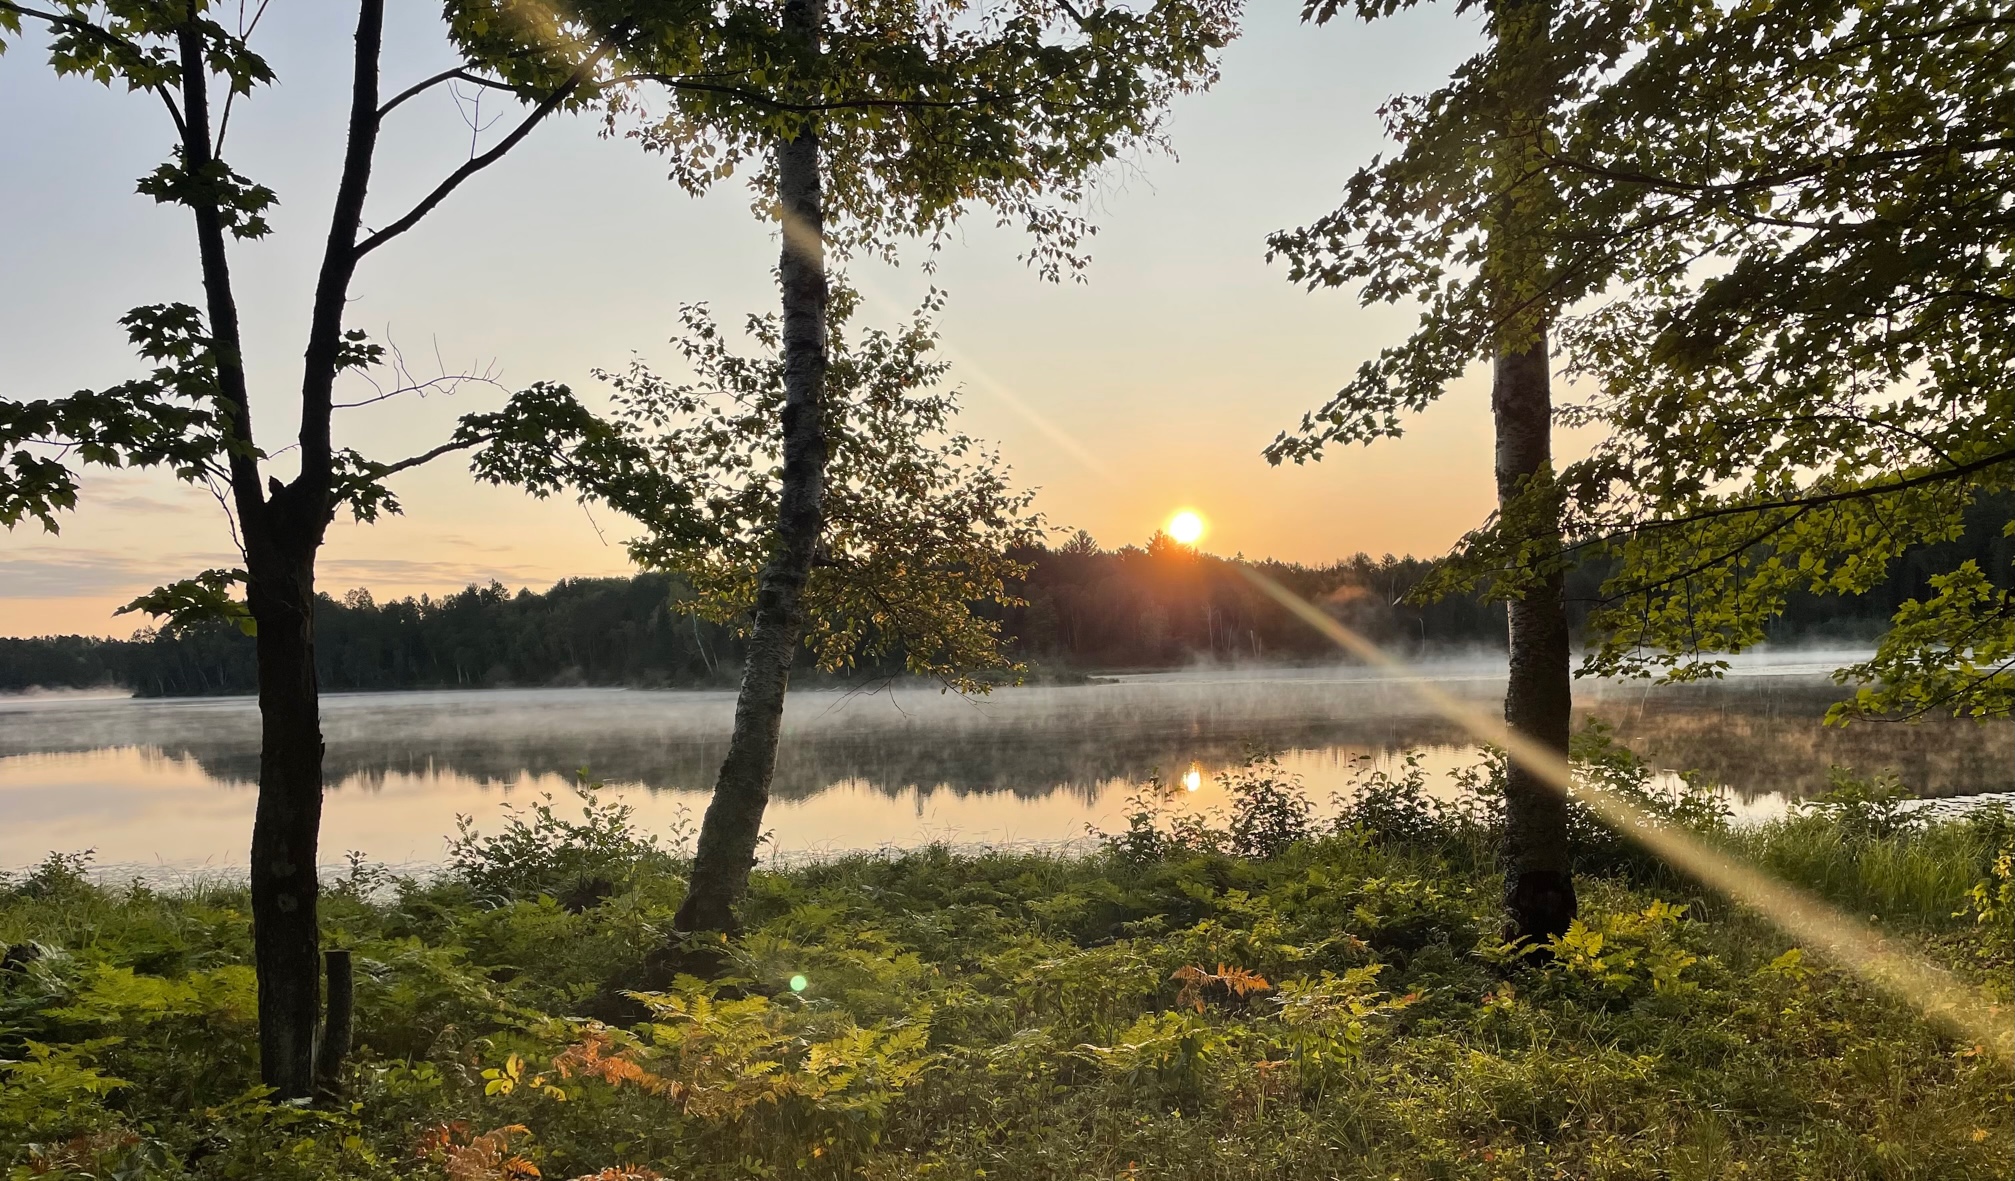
point(488, 1157)
point(1229, 981)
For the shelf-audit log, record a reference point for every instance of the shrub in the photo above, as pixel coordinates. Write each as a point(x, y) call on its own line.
point(541, 852)
point(57, 875)
point(1153, 831)
point(1601, 764)
point(1624, 955)
point(1992, 898)
point(1863, 809)
point(1393, 809)
point(1270, 812)
point(1269, 809)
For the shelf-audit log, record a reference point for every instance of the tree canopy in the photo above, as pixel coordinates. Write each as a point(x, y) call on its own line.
point(919, 518)
point(1778, 255)
point(1830, 379)
point(926, 109)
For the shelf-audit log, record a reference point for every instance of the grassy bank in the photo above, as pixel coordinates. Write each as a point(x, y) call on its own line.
point(1253, 996)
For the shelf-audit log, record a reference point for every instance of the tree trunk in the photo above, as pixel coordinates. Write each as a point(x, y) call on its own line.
point(287, 826)
point(337, 1031)
point(280, 545)
point(734, 819)
point(1538, 883)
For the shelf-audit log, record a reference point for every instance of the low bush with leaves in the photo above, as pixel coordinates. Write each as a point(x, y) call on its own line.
point(1254, 995)
point(539, 850)
point(1270, 811)
point(1874, 808)
point(1625, 955)
point(1991, 900)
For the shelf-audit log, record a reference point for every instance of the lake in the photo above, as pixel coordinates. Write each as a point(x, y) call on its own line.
point(165, 787)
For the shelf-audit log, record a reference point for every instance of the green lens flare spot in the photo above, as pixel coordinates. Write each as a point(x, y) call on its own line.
point(799, 983)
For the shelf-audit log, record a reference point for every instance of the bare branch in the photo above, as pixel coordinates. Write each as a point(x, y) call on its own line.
point(546, 106)
point(447, 384)
point(1920, 438)
point(472, 116)
point(407, 382)
point(382, 470)
point(1770, 180)
point(223, 498)
point(458, 74)
point(245, 30)
point(231, 96)
point(1705, 564)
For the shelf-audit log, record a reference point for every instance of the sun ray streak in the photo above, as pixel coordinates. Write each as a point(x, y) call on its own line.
point(1940, 996)
point(964, 364)
point(968, 370)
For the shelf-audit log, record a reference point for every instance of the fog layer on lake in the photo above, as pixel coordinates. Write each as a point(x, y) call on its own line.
point(167, 785)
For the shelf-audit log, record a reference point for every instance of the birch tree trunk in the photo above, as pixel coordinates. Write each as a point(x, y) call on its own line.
point(734, 818)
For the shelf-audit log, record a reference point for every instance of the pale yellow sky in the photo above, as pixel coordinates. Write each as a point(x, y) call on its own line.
point(1151, 386)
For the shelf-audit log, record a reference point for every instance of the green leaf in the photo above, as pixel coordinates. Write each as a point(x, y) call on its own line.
point(195, 601)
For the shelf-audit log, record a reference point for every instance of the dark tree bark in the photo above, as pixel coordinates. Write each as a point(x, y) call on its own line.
point(337, 1031)
point(280, 595)
point(1538, 698)
point(281, 526)
point(733, 824)
point(283, 534)
point(287, 825)
point(282, 531)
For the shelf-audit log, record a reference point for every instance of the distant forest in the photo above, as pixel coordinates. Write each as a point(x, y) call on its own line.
point(1087, 609)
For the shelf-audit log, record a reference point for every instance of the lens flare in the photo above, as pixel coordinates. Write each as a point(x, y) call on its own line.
point(799, 983)
point(1855, 947)
point(1186, 526)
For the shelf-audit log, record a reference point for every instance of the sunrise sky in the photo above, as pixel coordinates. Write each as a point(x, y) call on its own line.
point(1150, 387)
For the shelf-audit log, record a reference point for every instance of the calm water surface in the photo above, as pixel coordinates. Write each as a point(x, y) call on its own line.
point(166, 786)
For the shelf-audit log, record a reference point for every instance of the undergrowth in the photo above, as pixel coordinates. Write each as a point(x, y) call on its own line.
point(1263, 994)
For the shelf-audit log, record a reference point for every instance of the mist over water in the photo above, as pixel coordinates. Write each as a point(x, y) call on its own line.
point(166, 786)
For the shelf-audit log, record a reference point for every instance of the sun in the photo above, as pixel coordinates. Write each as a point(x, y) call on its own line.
point(1186, 527)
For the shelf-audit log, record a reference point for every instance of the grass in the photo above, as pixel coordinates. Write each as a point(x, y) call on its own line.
point(1262, 997)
